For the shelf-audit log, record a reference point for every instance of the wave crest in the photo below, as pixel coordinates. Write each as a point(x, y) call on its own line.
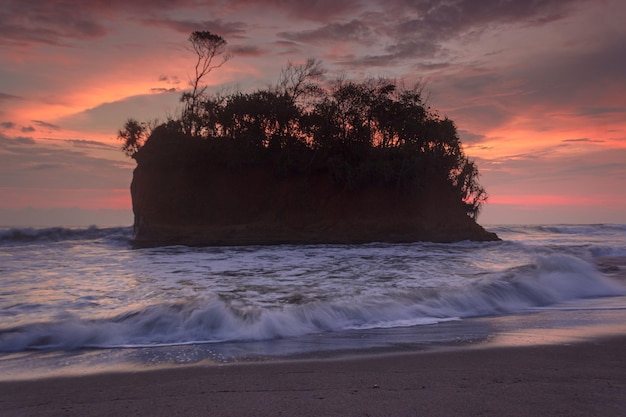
point(548, 281)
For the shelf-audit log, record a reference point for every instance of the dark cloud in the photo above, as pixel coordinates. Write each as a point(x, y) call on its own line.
point(433, 66)
point(583, 83)
point(22, 140)
point(315, 10)
point(59, 22)
point(407, 29)
point(487, 115)
point(395, 54)
point(8, 143)
point(470, 137)
point(477, 98)
point(369, 61)
point(161, 90)
point(51, 35)
point(355, 31)
point(83, 143)
point(5, 96)
point(418, 29)
point(572, 79)
point(47, 22)
point(169, 79)
point(289, 48)
point(247, 50)
point(413, 49)
point(7, 125)
point(46, 125)
point(447, 19)
point(472, 82)
point(28, 129)
point(600, 111)
point(583, 140)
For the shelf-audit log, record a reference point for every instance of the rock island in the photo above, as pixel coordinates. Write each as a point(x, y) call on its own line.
point(307, 161)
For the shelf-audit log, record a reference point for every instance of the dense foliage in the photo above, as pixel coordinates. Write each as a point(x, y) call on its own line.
point(359, 132)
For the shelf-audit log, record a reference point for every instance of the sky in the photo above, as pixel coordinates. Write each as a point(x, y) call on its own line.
point(537, 89)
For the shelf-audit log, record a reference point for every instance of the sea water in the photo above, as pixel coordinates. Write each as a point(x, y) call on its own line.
point(83, 299)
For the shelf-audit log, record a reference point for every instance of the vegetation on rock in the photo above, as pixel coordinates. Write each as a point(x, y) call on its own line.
point(361, 133)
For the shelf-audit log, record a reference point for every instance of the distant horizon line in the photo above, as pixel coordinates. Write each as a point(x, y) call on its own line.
point(119, 225)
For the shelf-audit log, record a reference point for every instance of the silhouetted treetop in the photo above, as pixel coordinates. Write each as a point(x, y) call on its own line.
point(207, 47)
point(133, 134)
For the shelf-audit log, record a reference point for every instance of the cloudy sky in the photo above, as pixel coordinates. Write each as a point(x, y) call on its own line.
point(537, 89)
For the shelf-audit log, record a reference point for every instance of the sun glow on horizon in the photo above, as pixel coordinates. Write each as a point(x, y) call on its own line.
point(92, 199)
point(542, 200)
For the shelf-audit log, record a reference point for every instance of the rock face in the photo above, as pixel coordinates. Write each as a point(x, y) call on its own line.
point(250, 206)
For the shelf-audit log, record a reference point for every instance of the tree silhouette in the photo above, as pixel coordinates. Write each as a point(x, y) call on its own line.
point(207, 47)
point(134, 135)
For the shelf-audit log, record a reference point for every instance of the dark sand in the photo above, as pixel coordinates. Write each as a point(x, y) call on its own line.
point(581, 379)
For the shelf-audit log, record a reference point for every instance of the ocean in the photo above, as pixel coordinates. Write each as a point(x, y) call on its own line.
point(83, 300)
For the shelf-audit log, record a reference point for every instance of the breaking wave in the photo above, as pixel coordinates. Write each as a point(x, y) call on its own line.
point(548, 281)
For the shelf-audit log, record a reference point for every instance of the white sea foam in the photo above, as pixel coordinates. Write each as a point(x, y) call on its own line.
point(215, 318)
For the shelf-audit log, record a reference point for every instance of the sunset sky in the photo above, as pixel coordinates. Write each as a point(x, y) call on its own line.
point(537, 90)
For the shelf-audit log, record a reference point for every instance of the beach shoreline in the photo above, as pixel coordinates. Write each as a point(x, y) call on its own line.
point(567, 359)
point(579, 322)
point(574, 379)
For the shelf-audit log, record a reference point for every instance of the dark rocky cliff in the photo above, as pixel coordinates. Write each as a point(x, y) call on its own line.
point(195, 205)
point(305, 162)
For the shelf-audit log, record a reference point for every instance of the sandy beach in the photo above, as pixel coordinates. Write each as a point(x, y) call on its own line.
point(580, 379)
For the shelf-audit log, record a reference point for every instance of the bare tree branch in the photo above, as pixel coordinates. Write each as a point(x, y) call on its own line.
point(207, 47)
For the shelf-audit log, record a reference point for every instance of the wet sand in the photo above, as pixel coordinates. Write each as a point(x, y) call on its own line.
point(580, 379)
